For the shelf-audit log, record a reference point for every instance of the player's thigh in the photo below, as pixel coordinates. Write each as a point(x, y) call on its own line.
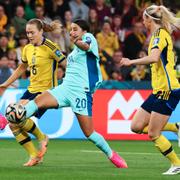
point(140, 120)
point(86, 124)
point(156, 124)
point(46, 100)
point(59, 96)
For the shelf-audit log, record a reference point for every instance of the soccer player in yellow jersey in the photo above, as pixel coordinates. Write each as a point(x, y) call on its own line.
point(152, 117)
point(41, 56)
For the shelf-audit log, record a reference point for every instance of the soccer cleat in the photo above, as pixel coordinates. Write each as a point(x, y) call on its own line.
point(118, 161)
point(178, 133)
point(33, 162)
point(172, 170)
point(3, 122)
point(43, 147)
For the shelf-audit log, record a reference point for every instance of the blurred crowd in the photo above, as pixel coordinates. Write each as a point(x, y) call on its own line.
point(116, 24)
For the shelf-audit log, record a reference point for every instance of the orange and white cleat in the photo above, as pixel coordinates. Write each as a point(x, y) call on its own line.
point(32, 162)
point(43, 147)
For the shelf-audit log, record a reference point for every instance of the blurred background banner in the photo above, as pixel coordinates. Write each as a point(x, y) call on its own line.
point(112, 114)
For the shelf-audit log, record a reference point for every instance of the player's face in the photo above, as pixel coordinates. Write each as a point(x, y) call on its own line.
point(76, 31)
point(34, 34)
point(146, 22)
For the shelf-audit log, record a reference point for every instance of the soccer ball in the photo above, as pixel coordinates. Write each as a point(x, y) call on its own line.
point(15, 113)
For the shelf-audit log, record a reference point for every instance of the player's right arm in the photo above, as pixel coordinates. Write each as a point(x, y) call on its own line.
point(16, 74)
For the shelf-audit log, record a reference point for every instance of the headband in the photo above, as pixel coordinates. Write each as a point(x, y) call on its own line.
point(147, 14)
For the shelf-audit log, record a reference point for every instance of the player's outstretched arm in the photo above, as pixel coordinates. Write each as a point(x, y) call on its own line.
point(153, 57)
point(16, 74)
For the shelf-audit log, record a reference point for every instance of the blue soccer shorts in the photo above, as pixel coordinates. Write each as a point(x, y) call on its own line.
point(163, 102)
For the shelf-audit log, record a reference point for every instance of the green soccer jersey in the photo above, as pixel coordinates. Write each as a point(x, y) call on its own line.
point(83, 69)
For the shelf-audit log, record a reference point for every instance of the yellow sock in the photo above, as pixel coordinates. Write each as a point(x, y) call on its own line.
point(30, 127)
point(145, 130)
point(166, 149)
point(24, 139)
point(168, 127)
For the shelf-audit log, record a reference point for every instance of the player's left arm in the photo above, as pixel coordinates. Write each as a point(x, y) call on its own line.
point(83, 44)
point(58, 55)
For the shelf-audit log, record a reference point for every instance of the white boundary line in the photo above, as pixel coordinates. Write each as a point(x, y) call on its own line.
point(130, 153)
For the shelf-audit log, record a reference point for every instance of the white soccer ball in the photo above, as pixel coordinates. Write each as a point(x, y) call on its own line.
point(15, 113)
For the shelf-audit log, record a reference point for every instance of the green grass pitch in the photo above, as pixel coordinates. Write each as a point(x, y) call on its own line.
point(81, 160)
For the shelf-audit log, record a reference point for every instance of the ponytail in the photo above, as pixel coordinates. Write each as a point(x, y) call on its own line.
point(161, 15)
point(45, 26)
point(169, 21)
point(54, 25)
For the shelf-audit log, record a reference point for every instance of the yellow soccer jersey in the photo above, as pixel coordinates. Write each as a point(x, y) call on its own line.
point(163, 72)
point(43, 63)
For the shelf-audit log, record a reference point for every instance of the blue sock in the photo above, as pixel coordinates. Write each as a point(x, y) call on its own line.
point(31, 108)
point(101, 143)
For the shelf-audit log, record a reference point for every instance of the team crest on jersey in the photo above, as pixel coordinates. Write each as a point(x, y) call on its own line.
point(156, 41)
point(88, 40)
point(58, 53)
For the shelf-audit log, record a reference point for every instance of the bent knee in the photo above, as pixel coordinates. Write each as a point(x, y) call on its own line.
point(136, 129)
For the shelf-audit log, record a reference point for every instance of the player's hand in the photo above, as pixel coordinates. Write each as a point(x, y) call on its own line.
point(74, 37)
point(3, 86)
point(125, 62)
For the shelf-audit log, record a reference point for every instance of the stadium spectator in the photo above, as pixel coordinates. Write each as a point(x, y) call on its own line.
point(5, 71)
point(40, 14)
point(117, 28)
point(153, 116)
point(56, 8)
point(3, 20)
point(93, 22)
point(107, 39)
point(12, 43)
point(128, 12)
point(141, 72)
point(12, 55)
point(19, 22)
point(102, 10)
point(68, 20)
point(135, 39)
point(114, 69)
point(22, 41)
point(29, 9)
point(79, 9)
point(3, 45)
point(9, 6)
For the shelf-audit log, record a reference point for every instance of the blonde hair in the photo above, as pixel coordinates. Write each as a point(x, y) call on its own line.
point(161, 15)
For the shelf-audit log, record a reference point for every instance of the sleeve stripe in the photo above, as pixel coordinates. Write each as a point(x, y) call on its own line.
point(23, 61)
point(155, 47)
point(62, 59)
point(51, 46)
